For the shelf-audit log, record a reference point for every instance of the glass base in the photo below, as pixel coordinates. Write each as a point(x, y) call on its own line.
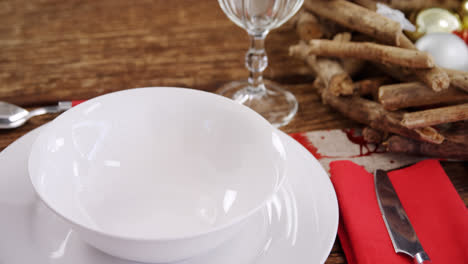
point(275, 104)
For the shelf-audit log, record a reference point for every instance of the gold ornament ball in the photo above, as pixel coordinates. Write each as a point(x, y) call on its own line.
point(432, 20)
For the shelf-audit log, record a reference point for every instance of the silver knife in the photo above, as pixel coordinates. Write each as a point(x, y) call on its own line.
point(402, 234)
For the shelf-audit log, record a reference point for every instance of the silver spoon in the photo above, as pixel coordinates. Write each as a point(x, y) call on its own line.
point(13, 116)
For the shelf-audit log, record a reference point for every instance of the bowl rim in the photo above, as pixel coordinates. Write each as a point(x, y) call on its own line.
point(225, 226)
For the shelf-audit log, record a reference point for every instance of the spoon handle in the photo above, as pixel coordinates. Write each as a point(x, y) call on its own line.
point(65, 105)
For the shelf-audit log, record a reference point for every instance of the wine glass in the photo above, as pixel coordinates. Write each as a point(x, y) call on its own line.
point(258, 18)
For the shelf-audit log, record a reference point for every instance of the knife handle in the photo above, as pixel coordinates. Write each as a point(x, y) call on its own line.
point(422, 258)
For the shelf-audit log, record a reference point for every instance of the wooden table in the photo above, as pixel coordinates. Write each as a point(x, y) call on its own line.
point(53, 50)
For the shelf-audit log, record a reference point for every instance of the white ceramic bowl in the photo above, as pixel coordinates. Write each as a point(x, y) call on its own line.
point(157, 174)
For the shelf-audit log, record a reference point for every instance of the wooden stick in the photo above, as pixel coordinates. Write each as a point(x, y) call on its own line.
point(319, 85)
point(436, 116)
point(369, 4)
point(341, 83)
point(343, 37)
point(334, 76)
point(357, 18)
point(399, 73)
point(329, 27)
point(358, 109)
point(308, 27)
point(446, 149)
point(410, 5)
point(329, 71)
point(351, 65)
point(405, 5)
point(371, 51)
point(368, 22)
point(405, 42)
point(375, 25)
point(370, 86)
point(456, 132)
point(403, 95)
point(374, 115)
point(436, 78)
point(373, 135)
point(458, 79)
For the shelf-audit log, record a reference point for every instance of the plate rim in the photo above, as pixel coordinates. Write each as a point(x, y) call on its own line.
point(331, 191)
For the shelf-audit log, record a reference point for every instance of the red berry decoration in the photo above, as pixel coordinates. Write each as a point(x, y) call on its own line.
point(463, 34)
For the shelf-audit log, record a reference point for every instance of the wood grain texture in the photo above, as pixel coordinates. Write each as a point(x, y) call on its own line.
point(80, 49)
point(53, 50)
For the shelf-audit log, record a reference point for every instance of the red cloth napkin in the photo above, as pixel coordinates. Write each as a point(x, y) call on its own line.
point(436, 211)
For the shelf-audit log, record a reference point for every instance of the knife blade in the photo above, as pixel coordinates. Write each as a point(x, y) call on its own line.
point(402, 234)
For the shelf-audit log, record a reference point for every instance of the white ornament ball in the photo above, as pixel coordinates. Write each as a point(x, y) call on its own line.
point(448, 50)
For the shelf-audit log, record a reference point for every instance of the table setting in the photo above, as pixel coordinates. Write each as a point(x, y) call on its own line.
point(234, 131)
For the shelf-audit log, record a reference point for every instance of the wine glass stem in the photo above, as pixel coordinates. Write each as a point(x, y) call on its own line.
point(256, 62)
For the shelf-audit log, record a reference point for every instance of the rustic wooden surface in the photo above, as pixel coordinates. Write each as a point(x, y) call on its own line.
point(53, 50)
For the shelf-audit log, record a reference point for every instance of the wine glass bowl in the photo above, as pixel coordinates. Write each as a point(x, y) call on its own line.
point(258, 18)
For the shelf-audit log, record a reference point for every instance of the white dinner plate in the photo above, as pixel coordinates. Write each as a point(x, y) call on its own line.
point(298, 226)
